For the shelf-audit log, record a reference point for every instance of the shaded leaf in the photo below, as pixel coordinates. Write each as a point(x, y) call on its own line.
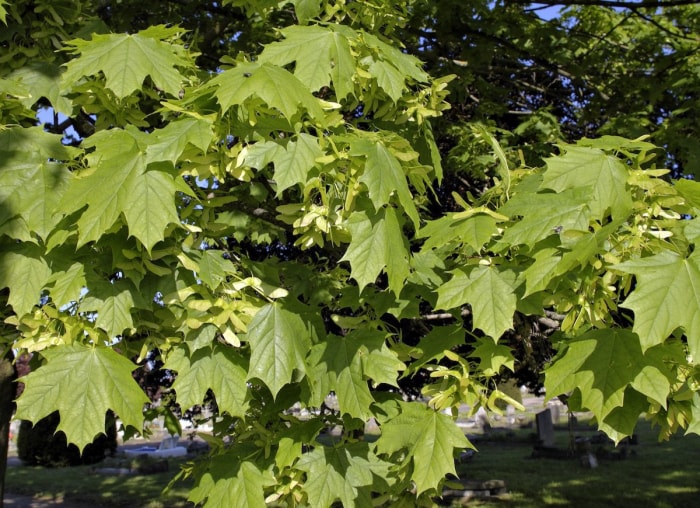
point(432, 346)
point(220, 369)
point(474, 230)
point(492, 357)
point(121, 184)
point(67, 285)
point(602, 364)
point(42, 79)
point(25, 272)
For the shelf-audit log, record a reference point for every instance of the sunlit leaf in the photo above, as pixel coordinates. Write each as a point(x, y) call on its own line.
point(82, 383)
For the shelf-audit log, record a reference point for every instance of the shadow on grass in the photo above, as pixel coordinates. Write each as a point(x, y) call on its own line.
point(82, 485)
point(657, 475)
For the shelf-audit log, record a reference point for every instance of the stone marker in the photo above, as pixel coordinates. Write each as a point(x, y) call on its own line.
point(545, 429)
point(474, 489)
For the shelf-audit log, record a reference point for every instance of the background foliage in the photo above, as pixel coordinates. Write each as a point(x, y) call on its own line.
point(276, 202)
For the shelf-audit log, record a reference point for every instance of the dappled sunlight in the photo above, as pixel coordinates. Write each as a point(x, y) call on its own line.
point(81, 484)
point(653, 474)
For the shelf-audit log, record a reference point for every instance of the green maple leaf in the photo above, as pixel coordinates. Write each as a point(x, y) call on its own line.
point(321, 55)
point(383, 175)
point(577, 249)
point(82, 383)
point(126, 60)
point(432, 346)
point(113, 304)
point(293, 438)
point(694, 426)
point(214, 268)
point(25, 272)
point(279, 342)
point(170, 142)
point(274, 85)
point(589, 167)
point(540, 273)
point(351, 361)
point(32, 181)
point(376, 244)
point(667, 296)
point(260, 154)
point(122, 184)
point(691, 230)
point(622, 421)
point(45, 185)
point(219, 369)
point(389, 78)
point(603, 364)
point(492, 357)
point(67, 284)
point(545, 214)
point(490, 293)
point(230, 481)
point(408, 65)
point(690, 190)
point(474, 230)
point(32, 143)
point(42, 79)
point(306, 9)
point(430, 439)
point(338, 473)
point(292, 164)
point(381, 365)
point(391, 68)
point(343, 362)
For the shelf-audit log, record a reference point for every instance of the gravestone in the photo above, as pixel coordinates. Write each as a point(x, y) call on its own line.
point(555, 408)
point(482, 419)
point(510, 415)
point(545, 429)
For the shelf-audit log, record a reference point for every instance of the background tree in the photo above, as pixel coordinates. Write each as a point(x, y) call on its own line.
point(277, 200)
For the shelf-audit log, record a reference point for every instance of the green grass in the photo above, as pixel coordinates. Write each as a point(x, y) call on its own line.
point(657, 475)
point(82, 485)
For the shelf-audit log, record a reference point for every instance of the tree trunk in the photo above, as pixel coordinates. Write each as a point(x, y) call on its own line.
point(8, 389)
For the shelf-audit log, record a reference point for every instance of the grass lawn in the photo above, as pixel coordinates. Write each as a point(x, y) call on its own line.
point(82, 485)
point(655, 475)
